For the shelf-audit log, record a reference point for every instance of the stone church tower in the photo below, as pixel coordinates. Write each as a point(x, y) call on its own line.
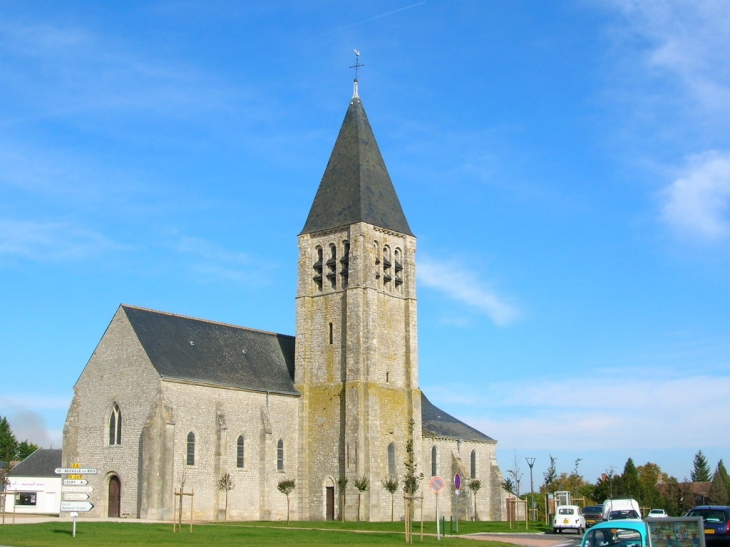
point(356, 332)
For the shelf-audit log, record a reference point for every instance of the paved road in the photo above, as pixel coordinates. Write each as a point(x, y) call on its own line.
point(533, 540)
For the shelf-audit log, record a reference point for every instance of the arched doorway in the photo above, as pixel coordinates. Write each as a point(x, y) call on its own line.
point(115, 496)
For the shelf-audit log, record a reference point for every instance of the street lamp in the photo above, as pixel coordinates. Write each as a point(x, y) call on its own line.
point(531, 462)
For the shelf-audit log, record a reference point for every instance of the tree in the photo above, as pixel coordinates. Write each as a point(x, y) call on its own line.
point(342, 484)
point(286, 487)
point(629, 483)
point(550, 475)
point(723, 472)
point(718, 489)
point(516, 473)
point(226, 483)
point(649, 475)
point(475, 485)
point(363, 485)
point(411, 479)
point(391, 485)
point(25, 449)
point(700, 470)
point(508, 485)
point(8, 442)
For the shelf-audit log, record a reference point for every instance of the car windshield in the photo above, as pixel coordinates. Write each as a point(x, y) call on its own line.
point(623, 514)
point(709, 515)
point(605, 537)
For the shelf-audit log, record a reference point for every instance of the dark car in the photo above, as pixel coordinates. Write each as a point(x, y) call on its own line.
point(716, 519)
point(593, 514)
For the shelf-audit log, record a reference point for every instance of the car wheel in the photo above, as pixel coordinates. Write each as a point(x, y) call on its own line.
point(555, 530)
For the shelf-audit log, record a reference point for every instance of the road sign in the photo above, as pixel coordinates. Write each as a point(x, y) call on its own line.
point(80, 506)
point(75, 471)
point(73, 496)
point(457, 481)
point(77, 489)
point(75, 482)
point(436, 484)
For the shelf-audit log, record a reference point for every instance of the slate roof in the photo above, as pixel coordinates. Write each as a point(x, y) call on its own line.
point(183, 348)
point(356, 186)
point(437, 423)
point(41, 463)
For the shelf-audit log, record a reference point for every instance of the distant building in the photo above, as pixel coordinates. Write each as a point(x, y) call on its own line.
point(33, 486)
point(169, 402)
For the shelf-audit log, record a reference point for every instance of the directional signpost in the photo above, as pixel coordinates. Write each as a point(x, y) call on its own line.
point(75, 490)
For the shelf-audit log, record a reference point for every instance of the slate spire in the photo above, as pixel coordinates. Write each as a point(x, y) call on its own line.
point(356, 186)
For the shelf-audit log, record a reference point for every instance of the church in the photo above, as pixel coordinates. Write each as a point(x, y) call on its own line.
point(169, 403)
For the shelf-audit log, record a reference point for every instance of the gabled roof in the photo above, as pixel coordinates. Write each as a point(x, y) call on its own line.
point(198, 351)
point(356, 186)
point(41, 463)
point(437, 423)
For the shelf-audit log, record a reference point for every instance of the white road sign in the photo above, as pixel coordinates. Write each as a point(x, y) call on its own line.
point(73, 496)
point(77, 489)
point(75, 482)
point(75, 471)
point(80, 506)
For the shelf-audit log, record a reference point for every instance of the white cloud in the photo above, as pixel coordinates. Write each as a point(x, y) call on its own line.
point(689, 40)
point(464, 286)
point(623, 410)
point(697, 203)
point(50, 241)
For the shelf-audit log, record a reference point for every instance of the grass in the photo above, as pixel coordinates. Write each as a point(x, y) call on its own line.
point(239, 534)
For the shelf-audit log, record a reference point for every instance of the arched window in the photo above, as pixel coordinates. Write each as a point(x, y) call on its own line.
point(473, 464)
point(239, 452)
point(115, 426)
point(280, 455)
point(190, 460)
point(434, 466)
point(392, 470)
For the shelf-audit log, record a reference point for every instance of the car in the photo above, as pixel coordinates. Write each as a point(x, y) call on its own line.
point(622, 514)
point(627, 533)
point(568, 517)
point(716, 520)
point(593, 514)
point(657, 513)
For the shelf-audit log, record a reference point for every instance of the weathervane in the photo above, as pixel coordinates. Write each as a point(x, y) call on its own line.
point(356, 66)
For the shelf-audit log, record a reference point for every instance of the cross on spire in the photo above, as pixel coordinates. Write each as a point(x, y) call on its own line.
point(356, 66)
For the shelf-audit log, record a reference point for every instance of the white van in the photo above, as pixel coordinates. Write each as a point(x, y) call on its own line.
point(621, 509)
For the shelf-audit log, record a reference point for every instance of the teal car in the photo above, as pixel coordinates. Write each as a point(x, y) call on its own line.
point(618, 533)
point(651, 532)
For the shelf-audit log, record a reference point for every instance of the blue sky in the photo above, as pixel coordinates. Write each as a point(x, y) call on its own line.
point(564, 165)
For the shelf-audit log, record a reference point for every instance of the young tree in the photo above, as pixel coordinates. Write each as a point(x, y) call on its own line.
point(286, 487)
point(475, 485)
point(411, 479)
point(226, 483)
point(363, 485)
point(508, 485)
point(700, 469)
point(550, 475)
point(342, 484)
point(516, 473)
point(8, 442)
point(391, 485)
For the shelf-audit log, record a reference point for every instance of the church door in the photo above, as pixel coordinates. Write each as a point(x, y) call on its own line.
point(115, 496)
point(330, 503)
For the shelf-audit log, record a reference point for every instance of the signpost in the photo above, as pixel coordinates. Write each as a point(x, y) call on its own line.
point(75, 491)
point(437, 484)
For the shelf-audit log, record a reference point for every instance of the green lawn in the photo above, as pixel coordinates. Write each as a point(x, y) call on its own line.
point(108, 534)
